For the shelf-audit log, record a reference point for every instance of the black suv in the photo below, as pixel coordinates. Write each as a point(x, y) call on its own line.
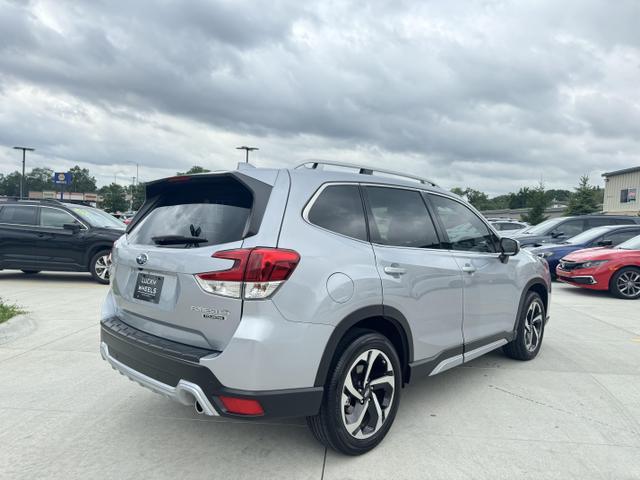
point(562, 228)
point(52, 235)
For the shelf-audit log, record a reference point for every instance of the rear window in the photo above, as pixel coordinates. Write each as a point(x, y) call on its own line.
point(18, 215)
point(196, 215)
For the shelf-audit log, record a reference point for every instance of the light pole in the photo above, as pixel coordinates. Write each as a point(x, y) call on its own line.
point(24, 150)
point(247, 149)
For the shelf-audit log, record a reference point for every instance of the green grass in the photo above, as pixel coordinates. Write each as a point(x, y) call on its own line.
point(7, 311)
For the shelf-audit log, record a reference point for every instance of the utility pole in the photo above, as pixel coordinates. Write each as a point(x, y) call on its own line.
point(247, 150)
point(24, 150)
point(133, 186)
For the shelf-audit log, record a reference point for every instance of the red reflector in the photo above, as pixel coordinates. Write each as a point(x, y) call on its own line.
point(242, 406)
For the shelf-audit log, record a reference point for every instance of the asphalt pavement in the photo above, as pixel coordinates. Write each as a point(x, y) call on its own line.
point(574, 412)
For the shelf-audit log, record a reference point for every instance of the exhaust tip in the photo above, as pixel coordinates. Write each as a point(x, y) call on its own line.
point(199, 408)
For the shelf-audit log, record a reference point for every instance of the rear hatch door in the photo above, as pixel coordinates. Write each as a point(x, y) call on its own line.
point(184, 221)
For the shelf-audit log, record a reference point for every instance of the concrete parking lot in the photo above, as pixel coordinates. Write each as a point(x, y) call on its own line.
point(574, 412)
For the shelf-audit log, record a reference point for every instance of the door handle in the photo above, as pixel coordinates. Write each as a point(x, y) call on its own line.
point(394, 270)
point(468, 268)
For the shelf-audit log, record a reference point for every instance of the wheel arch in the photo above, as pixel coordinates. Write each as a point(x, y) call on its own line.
point(539, 286)
point(620, 267)
point(95, 249)
point(385, 320)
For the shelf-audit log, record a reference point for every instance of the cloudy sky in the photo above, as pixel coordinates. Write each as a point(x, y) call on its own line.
point(489, 94)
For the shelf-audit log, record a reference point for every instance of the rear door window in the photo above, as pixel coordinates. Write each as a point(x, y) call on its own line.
point(400, 218)
point(568, 229)
point(339, 208)
point(617, 238)
point(196, 215)
point(601, 222)
point(19, 214)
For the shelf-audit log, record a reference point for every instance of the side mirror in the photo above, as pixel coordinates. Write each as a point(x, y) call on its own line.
point(557, 234)
point(605, 243)
point(74, 227)
point(508, 248)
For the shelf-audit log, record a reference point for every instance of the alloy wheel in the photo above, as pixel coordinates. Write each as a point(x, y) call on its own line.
point(367, 394)
point(628, 284)
point(533, 326)
point(102, 267)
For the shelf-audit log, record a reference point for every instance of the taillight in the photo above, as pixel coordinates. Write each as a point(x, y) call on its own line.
point(255, 274)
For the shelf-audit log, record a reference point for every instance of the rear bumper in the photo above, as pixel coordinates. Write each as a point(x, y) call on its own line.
point(173, 370)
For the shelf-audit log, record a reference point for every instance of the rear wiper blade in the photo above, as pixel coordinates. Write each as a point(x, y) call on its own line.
point(177, 240)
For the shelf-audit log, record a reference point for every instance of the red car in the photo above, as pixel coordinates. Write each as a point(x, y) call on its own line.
point(614, 269)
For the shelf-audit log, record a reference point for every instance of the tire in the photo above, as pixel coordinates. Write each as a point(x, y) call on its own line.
point(99, 266)
point(340, 405)
point(530, 330)
point(625, 283)
point(30, 272)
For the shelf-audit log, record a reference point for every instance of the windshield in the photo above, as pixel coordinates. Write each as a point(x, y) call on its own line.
point(588, 235)
point(97, 218)
point(631, 244)
point(543, 227)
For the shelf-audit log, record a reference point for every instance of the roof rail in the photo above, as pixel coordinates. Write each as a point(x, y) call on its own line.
point(363, 170)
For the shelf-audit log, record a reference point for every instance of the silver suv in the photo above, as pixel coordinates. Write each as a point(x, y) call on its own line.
point(318, 291)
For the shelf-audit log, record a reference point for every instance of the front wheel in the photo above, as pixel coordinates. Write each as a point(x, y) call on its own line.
point(100, 266)
point(529, 331)
point(361, 397)
point(626, 283)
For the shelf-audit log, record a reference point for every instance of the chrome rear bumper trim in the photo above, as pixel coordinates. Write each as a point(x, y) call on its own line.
point(185, 392)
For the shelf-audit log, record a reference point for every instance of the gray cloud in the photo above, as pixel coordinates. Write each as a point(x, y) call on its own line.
point(492, 94)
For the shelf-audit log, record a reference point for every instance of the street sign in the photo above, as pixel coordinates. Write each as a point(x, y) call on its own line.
point(62, 178)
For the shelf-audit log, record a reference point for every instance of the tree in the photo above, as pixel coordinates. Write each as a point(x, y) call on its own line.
point(520, 199)
point(82, 180)
point(194, 169)
point(559, 195)
point(10, 184)
point(537, 201)
point(478, 199)
point(139, 195)
point(38, 180)
point(585, 199)
point(113, 198)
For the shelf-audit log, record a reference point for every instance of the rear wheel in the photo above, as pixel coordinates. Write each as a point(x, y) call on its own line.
point(362, 396)
point(529, 331)
point(626, 283)
point(30, 272)
point(99, 266)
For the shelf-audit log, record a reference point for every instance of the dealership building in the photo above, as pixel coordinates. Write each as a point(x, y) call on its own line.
point(621, 191)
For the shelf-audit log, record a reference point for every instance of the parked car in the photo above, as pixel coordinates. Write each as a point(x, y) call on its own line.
point(310, 292)
point(596, 237)
point(52, 235)
point(507, 227)
point(563, 228)
point(614, 269)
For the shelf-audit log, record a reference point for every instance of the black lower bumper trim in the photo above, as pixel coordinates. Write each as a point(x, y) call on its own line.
point(168, 365)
